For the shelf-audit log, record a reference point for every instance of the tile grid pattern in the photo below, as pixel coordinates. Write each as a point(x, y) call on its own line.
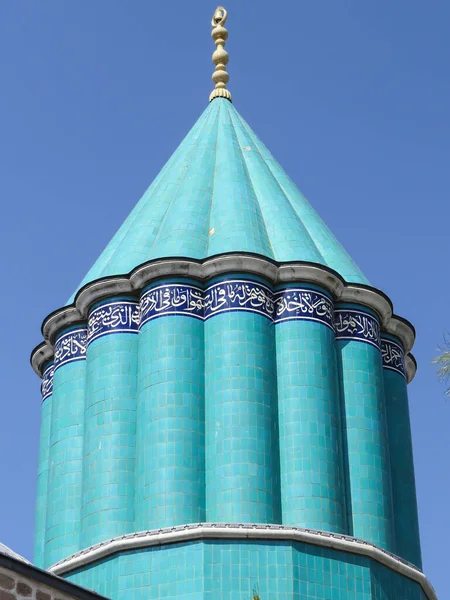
point(170, 469)
point(366, 444)
point(232, 359)
point(402, 463)
point(42, 480)
point(312, 484)
point(65, 471)
point(233, 570)
point(242, 482)
point(244, 202)
point(109, 438)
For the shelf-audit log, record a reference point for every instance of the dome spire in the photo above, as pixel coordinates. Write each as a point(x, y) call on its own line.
point(220, 56)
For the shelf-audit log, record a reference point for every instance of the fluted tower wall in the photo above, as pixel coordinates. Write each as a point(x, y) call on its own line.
point(365, 429)
point(241, 423)
point(311, 454)
point(170, 474)
point(227, 399)
point(109, 422)
point(43, 461)
point(65, 463)
point(401, 455)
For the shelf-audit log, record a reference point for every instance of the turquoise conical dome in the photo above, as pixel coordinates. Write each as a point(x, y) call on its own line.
point(223, 191)
point(224, 403)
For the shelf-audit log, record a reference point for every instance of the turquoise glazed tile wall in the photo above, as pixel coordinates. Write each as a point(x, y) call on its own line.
point(109, 437)
point(402, 467)
point(311, 459)
point(65, 474)
point(330, 249)
point(131, 244)
point(388, 585)
point(42, 480)
point(170, 471)
point(233, 570)
point(184, 229)
point(285, 229)
point(320, 573)
point(226, 402)
point(103, 578)
point(222, 173)
point(366, 446)
point(242, 480)
point(235, 219)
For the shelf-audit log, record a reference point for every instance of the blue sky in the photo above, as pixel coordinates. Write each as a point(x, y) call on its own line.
point(352, 98)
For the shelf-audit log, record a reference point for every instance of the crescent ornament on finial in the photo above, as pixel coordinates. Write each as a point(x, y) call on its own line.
point(220, 56)
point(220, 17)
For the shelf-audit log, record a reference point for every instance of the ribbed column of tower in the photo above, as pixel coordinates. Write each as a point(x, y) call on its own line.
point(311, 461)
point(365, 429)
point(110, 420)
point(44, 449)
point(242, 480)
point(400, 445)
point(170, 467)
point(65, 470)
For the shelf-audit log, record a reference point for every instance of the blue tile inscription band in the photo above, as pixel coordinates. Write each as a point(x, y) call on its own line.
point(47, 382)
point(393, 357)
point(356, 325)
point(127, 316)
point(238, 295)
point(297, 303)
point(171, 299)
point(70, 347)
point(113, 317)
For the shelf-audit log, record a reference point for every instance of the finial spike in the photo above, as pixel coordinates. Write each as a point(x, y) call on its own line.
point(220, 56)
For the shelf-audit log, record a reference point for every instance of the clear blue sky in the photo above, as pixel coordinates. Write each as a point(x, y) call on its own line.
point(352, 98)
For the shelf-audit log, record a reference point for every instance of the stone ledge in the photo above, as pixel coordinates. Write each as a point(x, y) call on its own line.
point(238, 531)
point(273, 272)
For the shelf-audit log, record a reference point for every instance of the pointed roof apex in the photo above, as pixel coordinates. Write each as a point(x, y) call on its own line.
point(220, 56)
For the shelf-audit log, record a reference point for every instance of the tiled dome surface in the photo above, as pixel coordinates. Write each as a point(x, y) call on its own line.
point(222, 191)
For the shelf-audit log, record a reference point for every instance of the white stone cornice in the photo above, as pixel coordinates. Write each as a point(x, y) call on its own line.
point(221, 531)
point(251, 264)
point(157, 269)
point(311, 273)
point(410, 366)
point(401, 329)
point(236, 263)
point(64, 317)
point(41, 355)
point(103, 288)
point(370, 297)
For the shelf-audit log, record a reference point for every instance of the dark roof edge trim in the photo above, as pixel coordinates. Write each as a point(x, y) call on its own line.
point(49, 579)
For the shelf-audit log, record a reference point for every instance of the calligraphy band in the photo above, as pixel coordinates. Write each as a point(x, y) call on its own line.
point(393, 357)
point(236, 295)
point(357, 325)
point(303, 304)
point(127, 316)
point(113, 317)
point(171, 299)
point(70, 347)
point(47, 382)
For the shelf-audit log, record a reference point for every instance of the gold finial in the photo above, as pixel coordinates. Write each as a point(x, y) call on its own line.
point(220, 56)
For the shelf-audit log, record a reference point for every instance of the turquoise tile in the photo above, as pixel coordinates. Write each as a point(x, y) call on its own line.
point(402, 467)
point(234, 570)
point(170, 466)
point(65, 462)
point(109, 438)
point(222, 191)
point(366, 450)
point(312, 474)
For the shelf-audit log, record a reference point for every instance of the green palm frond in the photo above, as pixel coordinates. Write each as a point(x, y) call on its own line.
point(442, 363)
